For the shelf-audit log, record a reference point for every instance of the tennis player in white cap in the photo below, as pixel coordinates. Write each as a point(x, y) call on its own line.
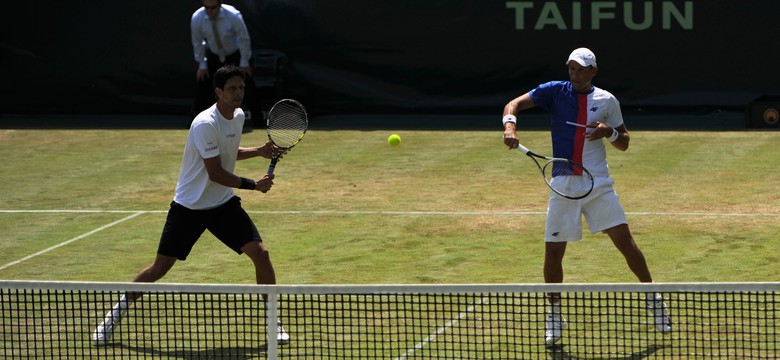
point(582, 117)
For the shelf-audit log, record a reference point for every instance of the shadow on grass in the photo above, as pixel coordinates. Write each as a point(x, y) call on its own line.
point(558, 352)
point(237, 352)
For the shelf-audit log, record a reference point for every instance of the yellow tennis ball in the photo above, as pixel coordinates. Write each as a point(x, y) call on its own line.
point(394, 140)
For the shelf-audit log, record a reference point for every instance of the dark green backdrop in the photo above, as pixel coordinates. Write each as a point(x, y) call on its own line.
point(393, 56)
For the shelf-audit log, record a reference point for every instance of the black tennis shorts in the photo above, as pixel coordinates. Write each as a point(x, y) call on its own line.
point(229, 223)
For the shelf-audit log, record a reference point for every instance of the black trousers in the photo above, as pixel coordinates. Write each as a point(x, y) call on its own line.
point(204, 90)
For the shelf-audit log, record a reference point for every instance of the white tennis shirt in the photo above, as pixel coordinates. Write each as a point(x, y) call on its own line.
point(211, 134)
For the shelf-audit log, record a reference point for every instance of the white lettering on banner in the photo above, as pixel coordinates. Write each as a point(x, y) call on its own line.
point(549, 14)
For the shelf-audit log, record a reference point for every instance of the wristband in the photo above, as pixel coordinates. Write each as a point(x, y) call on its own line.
point(614, 136)
point(247, 184)
point(509, 118)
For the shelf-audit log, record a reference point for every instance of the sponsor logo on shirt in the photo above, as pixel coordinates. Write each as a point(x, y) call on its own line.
point(211, 148)
point(230, 136)
point(594, 109)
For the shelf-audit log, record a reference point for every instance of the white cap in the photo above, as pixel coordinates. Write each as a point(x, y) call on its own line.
point(583, 56)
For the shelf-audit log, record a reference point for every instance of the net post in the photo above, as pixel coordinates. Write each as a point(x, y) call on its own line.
point(271, 314)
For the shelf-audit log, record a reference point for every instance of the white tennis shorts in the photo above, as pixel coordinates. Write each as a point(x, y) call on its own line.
point(602, 210)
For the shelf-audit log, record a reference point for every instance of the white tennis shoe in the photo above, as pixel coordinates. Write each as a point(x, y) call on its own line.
point(281, 336)
point(657, 308)
point(554, 325)
point(102, 334)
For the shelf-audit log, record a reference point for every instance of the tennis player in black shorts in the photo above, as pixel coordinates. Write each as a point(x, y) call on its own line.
point(204, 197)
point(229, 223)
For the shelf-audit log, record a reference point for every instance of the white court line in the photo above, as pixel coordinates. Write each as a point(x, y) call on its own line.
point(382, 212)
point(482, 213)
point(28, 257)
point(338, 212)
point(66, 211)
point(441, 330)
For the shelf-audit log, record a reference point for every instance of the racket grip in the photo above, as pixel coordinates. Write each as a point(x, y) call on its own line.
point(272, 167)
point(523, 149)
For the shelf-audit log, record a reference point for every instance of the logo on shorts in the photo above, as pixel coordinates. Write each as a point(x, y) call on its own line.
point(555, 234)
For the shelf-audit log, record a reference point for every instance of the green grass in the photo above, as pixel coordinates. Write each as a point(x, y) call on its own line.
point(344, 183)
point(444, 207)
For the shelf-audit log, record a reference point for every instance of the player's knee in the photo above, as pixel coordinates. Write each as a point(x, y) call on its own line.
point(264, 254)
point(554, 251)
point(155, 272)
point(259, 254)
point(627, 246)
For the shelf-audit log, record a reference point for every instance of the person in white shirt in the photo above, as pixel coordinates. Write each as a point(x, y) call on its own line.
point(219, 37)
point(204, 197)
point(598, 113)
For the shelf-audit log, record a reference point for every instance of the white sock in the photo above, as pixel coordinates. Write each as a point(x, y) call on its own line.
point(118, 310)
point(554, 308)
point(122, 304)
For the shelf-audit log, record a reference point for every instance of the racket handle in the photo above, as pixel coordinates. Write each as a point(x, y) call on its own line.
point(272, 167)
point(523, 149)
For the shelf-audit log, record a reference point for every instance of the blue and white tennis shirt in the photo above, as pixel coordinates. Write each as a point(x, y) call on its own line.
point(566, 104)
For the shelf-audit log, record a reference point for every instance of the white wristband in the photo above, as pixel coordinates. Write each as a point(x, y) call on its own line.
point(614, 136)
point(509, 118)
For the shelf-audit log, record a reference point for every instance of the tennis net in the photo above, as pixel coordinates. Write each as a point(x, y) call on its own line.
point(604, 321)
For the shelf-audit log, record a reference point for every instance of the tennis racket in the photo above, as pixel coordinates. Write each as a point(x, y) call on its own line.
point(287, 123)
point(565, 177)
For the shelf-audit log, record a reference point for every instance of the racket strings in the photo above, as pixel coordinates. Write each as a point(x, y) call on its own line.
point(567, 178)
point(287, 122)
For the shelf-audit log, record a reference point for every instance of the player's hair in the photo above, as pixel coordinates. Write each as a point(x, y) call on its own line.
point(225, 73)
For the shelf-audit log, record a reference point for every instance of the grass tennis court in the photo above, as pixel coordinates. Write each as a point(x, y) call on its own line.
point(444, 207)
